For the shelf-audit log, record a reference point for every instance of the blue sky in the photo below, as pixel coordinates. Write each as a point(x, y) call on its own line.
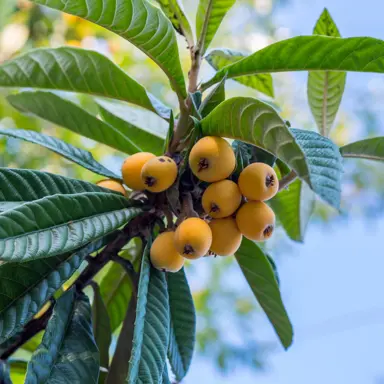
point(332, 285)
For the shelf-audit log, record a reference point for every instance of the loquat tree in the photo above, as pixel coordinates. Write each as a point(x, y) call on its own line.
point(182, 194)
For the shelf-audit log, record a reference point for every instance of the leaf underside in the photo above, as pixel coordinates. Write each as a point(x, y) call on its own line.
point(370, 149)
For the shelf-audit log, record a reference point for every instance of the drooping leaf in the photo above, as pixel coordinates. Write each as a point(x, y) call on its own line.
point(70, 152)
point(371, 149)
point(174, 11)
point(220, 58)
point(60, 223)
point(68, 352)
point(261, 278)
point(4, 373)
point(151, 335)
point(137, 21)
point(293, 208)
point(325, 165)
point(310, 53)
point(166, 375)
point(67, 114)
point(210, 14)
point(146, 130)
point(76, 70)
point(21, 185)
point(257, 123)
point(215, 98)
point(183, 324)
point(101, 330)
point(25, 287)
point(325, 89)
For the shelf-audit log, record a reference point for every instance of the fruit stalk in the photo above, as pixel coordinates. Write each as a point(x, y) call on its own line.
point(287, 179)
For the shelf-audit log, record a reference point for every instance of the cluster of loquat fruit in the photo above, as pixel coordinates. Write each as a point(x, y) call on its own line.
point(231, 210)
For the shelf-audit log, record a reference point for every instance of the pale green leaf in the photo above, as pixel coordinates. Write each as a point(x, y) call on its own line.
point(183, 324)
point(213, 99)
point(18, 371)
point(210, 14)
point(325, 89)
point(260, 276)
point(68, 352)
point(146, 130)
point(293, 208)
point(70, 152)
point(25, 287)
point(310, 53)
point(220, 58)
point(60, 223)
point(76, 70)
point(371, 149)
point(137, 21)
point(151, 335)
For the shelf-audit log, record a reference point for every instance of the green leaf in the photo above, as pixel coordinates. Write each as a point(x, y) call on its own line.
point(18, 371)
point(310, 53)
point(174, 11)
point(60, 223)
point(293, 208)
point(76, 70)
point(68, 352)
point(4, 373)
point(67, 114)
point(325, 89)
point(7, 9)
point(70, 152)
point(261, 278)
point(257, 123)
point(146, 130)
point(210, 14)
point(183, 324)
point(21, 185)
point(220, 58)
point(371, 149)
point(165, 375)
point(215, 98)
point(325, 165)
point(25, 287)
point(101, 330)
point(151, 335)
point(170, 132)
point(137, 21)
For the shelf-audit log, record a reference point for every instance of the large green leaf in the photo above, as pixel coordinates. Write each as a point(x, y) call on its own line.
point(257, 123)
point(101, 330)
point(67, 114)
point(138, 21)
point(60, 223)
point(310, 53)
point(220, 58)
point(151, 335)
point(70, 152)
point(76, 70)
point(213, 99)
point(4, 373)
point(325, 165)
point(183, 324)
point(325, 89)
point(21, 185)
point(146, 130)
point(293, 207)
point(18, 371)
point(261, 278)
point(210, 14)
point(174, 11)
point(68, 352)
point(25, 287)
point(371, 149)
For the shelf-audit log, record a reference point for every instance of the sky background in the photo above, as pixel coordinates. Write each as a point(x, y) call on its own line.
point(332, 285)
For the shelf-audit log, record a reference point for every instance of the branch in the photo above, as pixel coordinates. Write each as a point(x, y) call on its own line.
point(287, 179)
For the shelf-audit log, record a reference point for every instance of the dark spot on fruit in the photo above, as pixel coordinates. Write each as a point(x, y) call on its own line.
point(188, 250)
point(214, 208)
point(169, 161)
point(150, 181)
point(203, 164)
point(270, 181)
point(268, 231)
point(162, 160)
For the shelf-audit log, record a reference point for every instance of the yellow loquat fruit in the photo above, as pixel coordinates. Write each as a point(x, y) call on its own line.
point(112, 185)
point(226, 237)
point(131, 170)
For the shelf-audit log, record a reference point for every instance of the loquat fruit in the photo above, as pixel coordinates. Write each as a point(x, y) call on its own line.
point(131, 170)
point(159, 173)
point(258, 181)
point(226, 237)
point(221, 199)
point(112, 185)
point(256, 220)
point(212, 159)
point(193, 238)
point(164, 255)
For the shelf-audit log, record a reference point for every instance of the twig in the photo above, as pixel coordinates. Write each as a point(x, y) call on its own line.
point(287, 179)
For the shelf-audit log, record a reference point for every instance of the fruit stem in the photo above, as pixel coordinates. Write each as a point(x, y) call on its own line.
point(287, 179)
